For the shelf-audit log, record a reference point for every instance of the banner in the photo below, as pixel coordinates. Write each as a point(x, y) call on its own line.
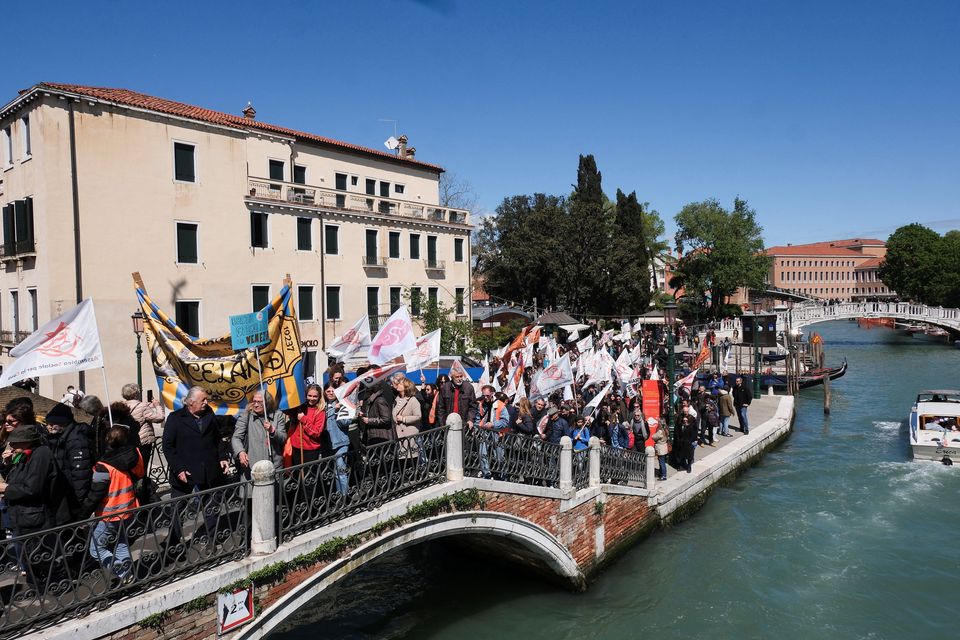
point(229, 377)
point(559, 374)
point(426, 353)
point(651, 398)
point(66, 344)
point(353, 340)
point(585, 345)
point(394, 339)
point(701, 358)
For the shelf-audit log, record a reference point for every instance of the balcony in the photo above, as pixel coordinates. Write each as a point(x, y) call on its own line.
point(18, 249)
point(374, 262)
point(321, 197)
point(12, 338)
point(435, 265)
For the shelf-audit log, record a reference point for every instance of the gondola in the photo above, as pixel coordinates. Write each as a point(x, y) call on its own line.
point(815, 376)
point(774, 357)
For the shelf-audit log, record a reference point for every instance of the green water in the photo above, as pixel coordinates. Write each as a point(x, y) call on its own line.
point(836, 534)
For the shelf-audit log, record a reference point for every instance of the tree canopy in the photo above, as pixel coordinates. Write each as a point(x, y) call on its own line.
point(923, 265)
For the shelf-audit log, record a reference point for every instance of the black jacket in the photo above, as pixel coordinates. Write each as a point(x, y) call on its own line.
point(195, 445)
point(742, 395)
point(379, 414)
point(425, 407)
point(123, 459)
point(34, 493)
point(72, 455)
point(467, 407)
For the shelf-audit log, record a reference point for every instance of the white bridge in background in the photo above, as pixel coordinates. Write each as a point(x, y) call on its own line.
point(807, 314)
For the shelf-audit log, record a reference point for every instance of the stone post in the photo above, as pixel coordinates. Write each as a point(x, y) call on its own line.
point(594, 461)
point(566, 465)
point(651, 466)
point(454, 447)
point(263, 515)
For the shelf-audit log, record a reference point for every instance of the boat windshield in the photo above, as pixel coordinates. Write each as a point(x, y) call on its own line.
point(943, 396)
point(939, 423)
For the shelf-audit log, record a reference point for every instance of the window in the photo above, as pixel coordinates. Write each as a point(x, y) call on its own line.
point(384, 189)
point(371, 186)
point(305, 301)
point(395, 296)
point(188, 316)
point(260, 296)
point(299, 174)
point(259, 236)
point(398, 189)
point(34, 320)
point(188, 252)
point(432, 294)
point(7, 145)
point(414, 246)
point(18, 227)
point(331, 239)
point(459, 295)
point(333, 303)
point(415, 301)
point(458, 249)
point(276, 170)
point(371, 246)
point(304, 234)
point(25, 126)
point(341, 181)
point(395, 245)
point(184, 162)
point(373, 308)
point(354, 180)
point(432, 250)
point(15, 312)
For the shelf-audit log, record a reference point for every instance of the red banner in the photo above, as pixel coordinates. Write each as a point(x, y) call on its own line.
point(651, 405)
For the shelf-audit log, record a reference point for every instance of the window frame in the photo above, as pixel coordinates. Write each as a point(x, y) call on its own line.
point(326, 302)
point(25, 138)
point(283, 169)
point(366, 231)
point(459, 242)
point(390, 236)
point(313, 303)
point(196, 163)
point(199, 302)
point(416, 301)
point(399, 292)
point(267, 230)
point(460, 301)
point(254, 286)
point(326, 251)
point(7, 146)
point(33, 298)
point(176, 241)
point(309, 234)
point(419, 255)
point(399, 189)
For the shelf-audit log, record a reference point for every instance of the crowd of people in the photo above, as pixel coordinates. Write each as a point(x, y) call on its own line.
point(57, 470)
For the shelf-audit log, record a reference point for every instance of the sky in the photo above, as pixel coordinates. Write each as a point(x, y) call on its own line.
point(832, 119)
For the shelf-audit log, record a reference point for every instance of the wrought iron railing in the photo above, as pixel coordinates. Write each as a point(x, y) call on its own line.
point(314, 494)
point(511, 457)
point(157, 468)
point(435, 265)
point(71, 570)
point(581, 469)
point(623, 466)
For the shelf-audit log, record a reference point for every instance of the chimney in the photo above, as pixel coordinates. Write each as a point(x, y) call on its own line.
point(249, 112)
point(402, 149)
point(412, 151)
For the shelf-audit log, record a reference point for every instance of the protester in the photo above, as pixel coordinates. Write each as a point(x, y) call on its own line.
point(742, 397)
point(580, 434)
point(375, 416)
point(118, 415)
point(524, 423)
point(726, 411)
point(260, 433)
point(427, 397)
point(336, 429)
point(407, 417)
point(686, 442)
point(661, 448)
point(69, 444)
point(146, 415)
point(457, 396)
point(307, 424)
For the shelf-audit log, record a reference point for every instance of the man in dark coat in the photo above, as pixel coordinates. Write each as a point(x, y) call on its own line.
point(742, 397)
point(195, 454)
point(69, 443)
point(457, 396)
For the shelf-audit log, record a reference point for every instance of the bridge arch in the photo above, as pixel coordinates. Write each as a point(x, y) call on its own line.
point(806, 315)
point(532, 543)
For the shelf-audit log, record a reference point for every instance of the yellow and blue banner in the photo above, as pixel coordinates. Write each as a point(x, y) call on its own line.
point(230, 377)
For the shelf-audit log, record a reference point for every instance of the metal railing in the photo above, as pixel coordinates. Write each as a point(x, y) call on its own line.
point(581, 469)
point(314, 494)
point(18, 248)
point(71, 570)
point(623, 466)
point(265, 189)
point(806, 314)
point(374, 261)
point(435, 265)
point(511, 457)
point(13, 337)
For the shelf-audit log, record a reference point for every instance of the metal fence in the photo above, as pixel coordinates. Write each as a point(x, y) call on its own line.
point(314, 494)
point(581, 469)
point(71, 570)
point(623, 466)
point(511, 457)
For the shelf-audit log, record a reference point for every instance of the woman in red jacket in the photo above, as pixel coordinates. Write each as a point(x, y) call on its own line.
point(306, 427)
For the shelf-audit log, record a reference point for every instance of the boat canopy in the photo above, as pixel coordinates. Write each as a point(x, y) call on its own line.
point(940, 395)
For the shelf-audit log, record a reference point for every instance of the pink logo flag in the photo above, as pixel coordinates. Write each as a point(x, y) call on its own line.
point(426, 353)
point(457, 367)
point(559, 374)
point(394, 339)
point(68, 343)
point(356, 337)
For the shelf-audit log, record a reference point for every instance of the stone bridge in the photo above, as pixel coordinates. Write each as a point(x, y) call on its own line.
point(807, 314)
point(557, 512)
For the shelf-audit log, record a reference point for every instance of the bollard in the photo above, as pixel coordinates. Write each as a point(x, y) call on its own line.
point(594, 461)
point(566, 465)
point(770, 390)
point(263, 515)
point(651, 466)
point(454, 447)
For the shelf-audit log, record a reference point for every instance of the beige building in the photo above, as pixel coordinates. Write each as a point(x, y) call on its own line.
point(213, 210)
point(837, 269)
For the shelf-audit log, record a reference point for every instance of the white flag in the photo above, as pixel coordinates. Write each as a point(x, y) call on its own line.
point(597, 399)
point(356, 337)
point(427, 351)
point(63, 345)
point(654, 375)
point(574, 336)
point(686, 381)
point(457, 367)
point(394, 339)
point(521, 392)
point(558, 374)
point(585, 345)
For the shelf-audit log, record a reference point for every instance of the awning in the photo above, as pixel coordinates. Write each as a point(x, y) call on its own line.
point(574, 327)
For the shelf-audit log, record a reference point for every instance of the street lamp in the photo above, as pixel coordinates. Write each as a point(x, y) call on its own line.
point(669, 320)
point(757, 307)
point(137, 319)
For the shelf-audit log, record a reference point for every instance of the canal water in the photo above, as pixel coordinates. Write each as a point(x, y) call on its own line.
point(836, 534)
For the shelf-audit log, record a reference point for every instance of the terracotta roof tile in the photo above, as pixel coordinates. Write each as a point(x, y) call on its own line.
point(872, 263)
point(162, 105)
point(816, 249)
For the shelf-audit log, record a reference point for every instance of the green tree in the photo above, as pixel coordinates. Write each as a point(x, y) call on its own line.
point(629, 279)
point(921, 265)
point(720, 251)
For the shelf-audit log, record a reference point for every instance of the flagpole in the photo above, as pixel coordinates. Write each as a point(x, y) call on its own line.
point(260, 374)
point(106, 394)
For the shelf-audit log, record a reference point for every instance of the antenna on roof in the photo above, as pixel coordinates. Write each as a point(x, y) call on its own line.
point(391, 143)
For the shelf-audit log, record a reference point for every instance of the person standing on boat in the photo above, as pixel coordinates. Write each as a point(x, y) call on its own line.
point(742, 397)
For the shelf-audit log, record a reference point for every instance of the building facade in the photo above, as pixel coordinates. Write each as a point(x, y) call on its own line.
point(834, 270)
point(213, 210)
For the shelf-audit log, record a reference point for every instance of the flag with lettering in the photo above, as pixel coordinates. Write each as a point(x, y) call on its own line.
point(394, 339)
point(68, 343)
point(585, 345)
point(352, 340)
point(426, 353)
point(558, 374)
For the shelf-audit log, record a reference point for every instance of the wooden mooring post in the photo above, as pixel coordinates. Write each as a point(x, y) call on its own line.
point(821, 360)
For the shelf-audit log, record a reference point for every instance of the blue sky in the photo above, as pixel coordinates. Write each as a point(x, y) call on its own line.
point(833, 119)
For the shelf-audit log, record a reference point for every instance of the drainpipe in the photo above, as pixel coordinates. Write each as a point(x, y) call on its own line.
point(323, 287)
point(76, 219)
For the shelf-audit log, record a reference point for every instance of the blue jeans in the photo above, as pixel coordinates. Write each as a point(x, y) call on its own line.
point(343, 473)
point(742, 415)
point(113, 535)
point(489, 440)
point(725, 426)
point(663, 466)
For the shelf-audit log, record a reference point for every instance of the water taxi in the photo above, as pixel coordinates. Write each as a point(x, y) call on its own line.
point(935, 426)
